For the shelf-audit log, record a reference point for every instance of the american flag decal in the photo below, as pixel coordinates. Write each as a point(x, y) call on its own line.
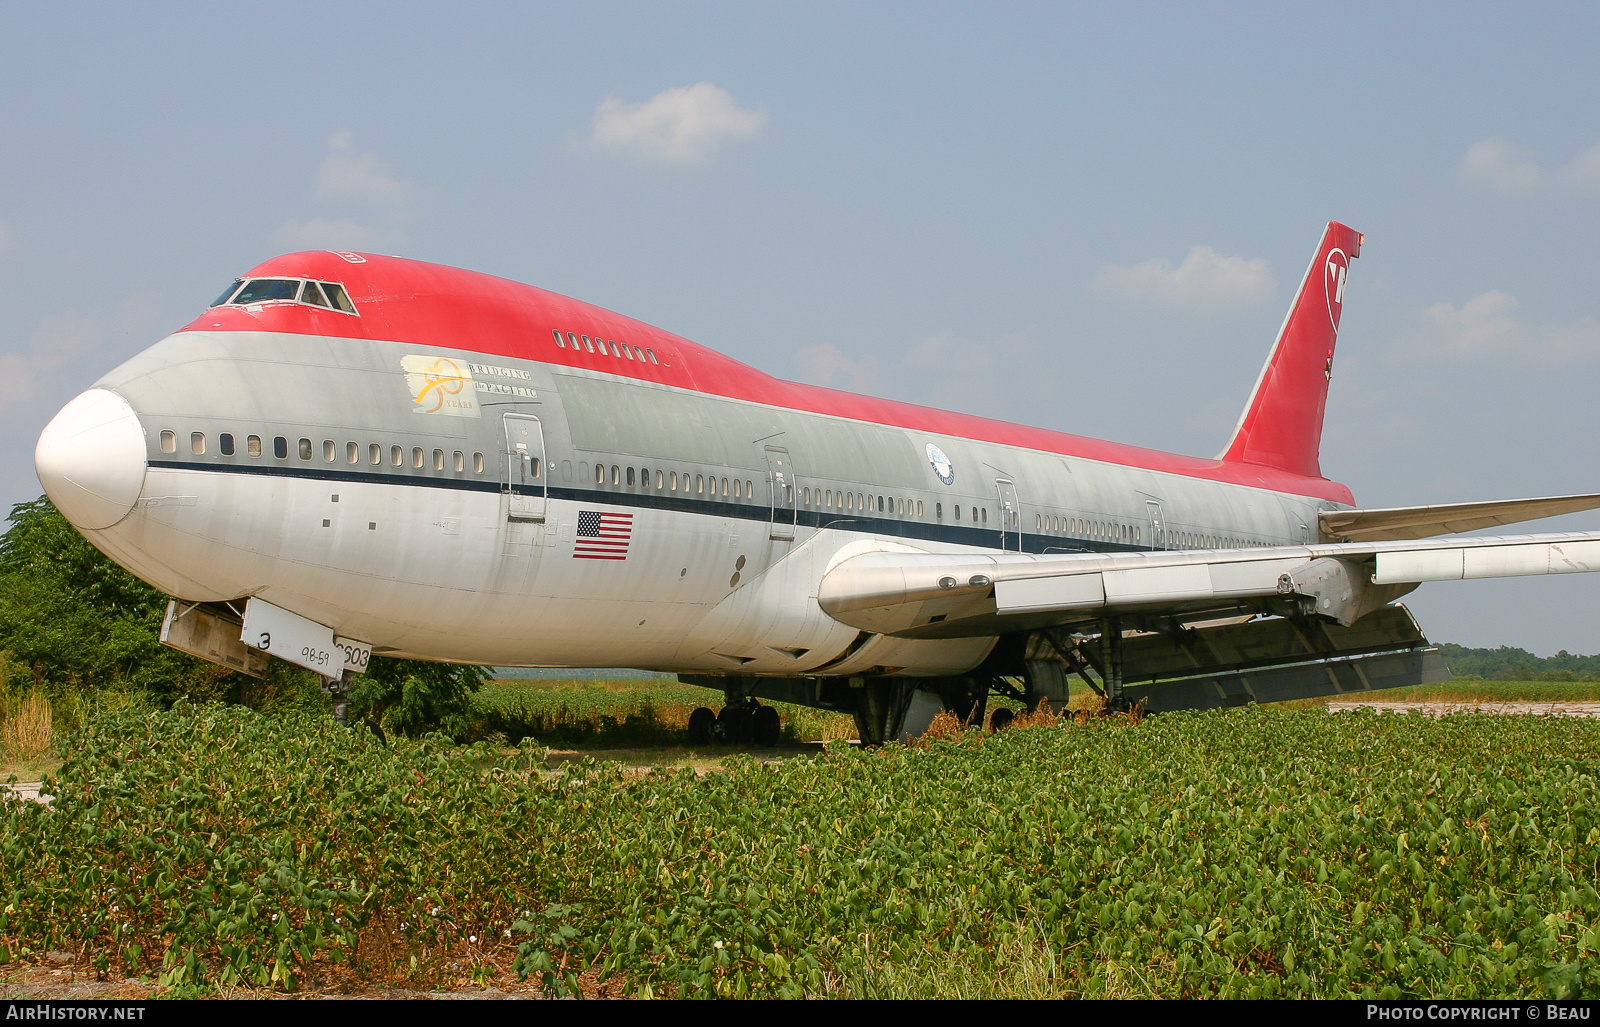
point(602, 536)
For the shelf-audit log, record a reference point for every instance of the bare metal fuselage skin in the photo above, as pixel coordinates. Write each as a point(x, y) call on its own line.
point(738, 508)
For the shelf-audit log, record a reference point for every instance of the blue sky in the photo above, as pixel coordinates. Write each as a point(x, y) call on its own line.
point(1085, 217)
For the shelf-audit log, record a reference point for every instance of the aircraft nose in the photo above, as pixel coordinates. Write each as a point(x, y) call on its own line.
point(91, 459)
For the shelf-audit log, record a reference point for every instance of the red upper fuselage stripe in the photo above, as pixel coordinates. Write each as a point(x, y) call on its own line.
point(421, 304)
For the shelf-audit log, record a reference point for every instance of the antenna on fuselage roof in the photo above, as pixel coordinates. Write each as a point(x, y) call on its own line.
point(1281, 425)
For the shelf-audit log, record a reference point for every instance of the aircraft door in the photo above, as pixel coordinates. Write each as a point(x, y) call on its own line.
point(1158, 525)
point(1010, 516)
point(780, 478)
point(525, 471)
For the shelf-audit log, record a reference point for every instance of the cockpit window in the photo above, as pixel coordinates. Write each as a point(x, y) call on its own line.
point(229, 291)
point(312, 294)
point(340, 300)
point(263, 290)
point(328, 295)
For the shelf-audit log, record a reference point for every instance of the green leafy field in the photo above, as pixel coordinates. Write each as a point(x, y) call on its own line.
point(1244, 852)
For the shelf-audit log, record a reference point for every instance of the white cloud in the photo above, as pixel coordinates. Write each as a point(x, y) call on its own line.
point(1497, 164)
point(56, 341)
point(682, 126)
point(1584, 171)
point(340, 234)
point(352, 176)
point(824, 364)
point(1206, 280)
point(349, 178)
point(1487, 328)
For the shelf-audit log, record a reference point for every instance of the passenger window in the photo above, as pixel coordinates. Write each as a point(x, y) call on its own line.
point(986, 515)
point(477, 463)
point(638, 354)
point(460, 461)
point(805, 496)
point(699, 484)
point(627, 350)
point(919, 508)
point(336, 296)
point(311, 293)
point(958, 513)
point(352, 453)
point(374, 454)
point(652, 355)
point(328, 450)
point(587, 344)
point(880, 504)
point(599, 474)
point(560, 342)
point(305, 449)
point(938, 509)
point(252, 445)
point(438, 459)
point(416, 456)
point(397, 455)
point(659, 480)
point(169, 442)
point(749, 489)
point(674, 481)
point(197, 443)
point(630, 477)
point(616, 475)
point(724, 486)
point(225, 442)
point(280, 447)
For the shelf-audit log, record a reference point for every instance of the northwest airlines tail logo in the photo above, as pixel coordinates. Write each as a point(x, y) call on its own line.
point(1333, 280)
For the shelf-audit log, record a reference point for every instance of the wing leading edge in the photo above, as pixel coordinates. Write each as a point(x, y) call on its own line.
point(949, 595)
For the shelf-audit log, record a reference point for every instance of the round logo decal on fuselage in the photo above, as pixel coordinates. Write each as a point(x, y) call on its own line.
point(941, 464)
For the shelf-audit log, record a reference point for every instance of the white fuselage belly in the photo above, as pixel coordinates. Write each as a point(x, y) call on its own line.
point(444, 573)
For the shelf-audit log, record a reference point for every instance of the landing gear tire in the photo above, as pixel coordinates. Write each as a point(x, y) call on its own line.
point(1001, 719)
point(735, 722)
point(765, 726)
point(701, 723)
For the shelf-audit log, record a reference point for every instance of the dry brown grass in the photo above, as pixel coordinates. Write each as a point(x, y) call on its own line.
point(28, 730)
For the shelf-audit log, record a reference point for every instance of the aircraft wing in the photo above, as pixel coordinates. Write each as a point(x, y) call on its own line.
point(1404, 522)
point(954, 595)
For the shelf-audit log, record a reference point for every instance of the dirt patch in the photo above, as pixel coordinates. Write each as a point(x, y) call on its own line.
point(72, 984)
point(1439, 709)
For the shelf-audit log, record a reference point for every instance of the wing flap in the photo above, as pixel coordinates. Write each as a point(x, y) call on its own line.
point(1409, 522)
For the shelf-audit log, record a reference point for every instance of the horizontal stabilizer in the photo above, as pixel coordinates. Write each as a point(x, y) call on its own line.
point(1400, 522)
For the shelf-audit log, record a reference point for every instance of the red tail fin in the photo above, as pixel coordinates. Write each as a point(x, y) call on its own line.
point(1282, 424)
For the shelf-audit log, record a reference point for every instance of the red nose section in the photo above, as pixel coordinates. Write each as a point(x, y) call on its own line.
point(1282, 424)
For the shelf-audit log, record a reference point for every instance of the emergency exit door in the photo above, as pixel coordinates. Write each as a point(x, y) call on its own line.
point(1010, 516)
point(780, 478)
point(525, 474)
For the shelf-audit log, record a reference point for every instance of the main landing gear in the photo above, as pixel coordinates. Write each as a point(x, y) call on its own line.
point(745, 723)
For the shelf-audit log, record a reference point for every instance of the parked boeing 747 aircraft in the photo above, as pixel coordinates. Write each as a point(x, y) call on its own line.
point(349, 453)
